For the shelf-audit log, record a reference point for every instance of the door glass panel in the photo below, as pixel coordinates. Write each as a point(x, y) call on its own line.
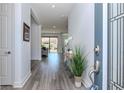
point(53, 44)
point(114, 10)
point(45, 42)
point(115, 48)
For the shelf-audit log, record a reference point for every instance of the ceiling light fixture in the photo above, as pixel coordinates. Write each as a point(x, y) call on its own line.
point(53, 6)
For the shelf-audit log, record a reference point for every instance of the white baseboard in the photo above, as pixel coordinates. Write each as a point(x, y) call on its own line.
point(36, 58)
point(22, 83)
point(39, 59)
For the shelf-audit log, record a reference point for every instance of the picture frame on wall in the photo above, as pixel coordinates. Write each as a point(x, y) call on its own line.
point(26, 32)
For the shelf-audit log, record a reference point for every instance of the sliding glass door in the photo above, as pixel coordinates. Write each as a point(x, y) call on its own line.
point(51, 43)
point(45, 42)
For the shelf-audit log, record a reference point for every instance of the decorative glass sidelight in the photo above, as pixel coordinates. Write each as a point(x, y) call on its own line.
point(116, 46)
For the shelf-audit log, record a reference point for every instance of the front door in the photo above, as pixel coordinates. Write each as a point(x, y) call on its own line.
point(5, 43)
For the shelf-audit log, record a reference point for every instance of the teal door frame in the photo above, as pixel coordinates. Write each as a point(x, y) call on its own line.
point(99, 41)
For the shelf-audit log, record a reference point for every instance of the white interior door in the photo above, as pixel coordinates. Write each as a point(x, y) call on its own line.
point(5, 44)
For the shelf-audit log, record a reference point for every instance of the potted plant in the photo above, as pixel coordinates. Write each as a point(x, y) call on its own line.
point(77, 65)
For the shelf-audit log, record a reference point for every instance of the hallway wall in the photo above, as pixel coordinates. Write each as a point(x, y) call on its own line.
point(81, 28)
point(22, 49)
point(26, 47)
point(22, 66)
point(35, 40)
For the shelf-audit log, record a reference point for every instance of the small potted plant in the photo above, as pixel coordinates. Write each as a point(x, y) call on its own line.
point(77, 65)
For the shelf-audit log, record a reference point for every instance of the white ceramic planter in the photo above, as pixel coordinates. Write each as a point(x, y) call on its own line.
point(77, 81)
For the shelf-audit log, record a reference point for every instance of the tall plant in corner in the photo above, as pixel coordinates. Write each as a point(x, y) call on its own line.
point(77, 65)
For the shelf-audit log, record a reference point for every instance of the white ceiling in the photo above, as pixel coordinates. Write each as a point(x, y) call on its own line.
point(50, 17)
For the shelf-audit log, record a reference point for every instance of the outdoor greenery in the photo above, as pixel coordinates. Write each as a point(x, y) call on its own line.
point(78, 61)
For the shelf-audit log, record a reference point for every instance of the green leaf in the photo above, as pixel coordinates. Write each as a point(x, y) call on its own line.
point(78, 62)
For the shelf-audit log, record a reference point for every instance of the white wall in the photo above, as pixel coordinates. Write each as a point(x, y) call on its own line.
point(35, 40)
point(22, 49)
point(18, 39)
point(81, 28)
point(26, 58)
point(22, 66)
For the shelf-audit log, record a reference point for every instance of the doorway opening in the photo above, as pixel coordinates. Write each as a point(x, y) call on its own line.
point(51, 43)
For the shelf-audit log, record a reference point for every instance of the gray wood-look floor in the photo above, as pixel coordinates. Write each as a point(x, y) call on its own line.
point(48, 74)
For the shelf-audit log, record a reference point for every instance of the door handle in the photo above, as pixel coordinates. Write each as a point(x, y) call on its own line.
point(97, 66)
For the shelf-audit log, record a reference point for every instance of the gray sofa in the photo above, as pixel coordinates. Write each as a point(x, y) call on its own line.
point(44, 51)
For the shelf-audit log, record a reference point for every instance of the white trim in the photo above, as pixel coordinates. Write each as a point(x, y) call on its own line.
point(104, 84)
point(40, 29)
point(33, 14)
point(36, 19)
point(17, 38)
point(36, 60)
point(22, 83)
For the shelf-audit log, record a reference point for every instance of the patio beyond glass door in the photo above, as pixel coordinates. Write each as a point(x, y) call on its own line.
point(51, 43)
point(45, 42)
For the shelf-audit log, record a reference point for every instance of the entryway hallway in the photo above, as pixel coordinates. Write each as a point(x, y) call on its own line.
point(90, 26)
point(48, 74)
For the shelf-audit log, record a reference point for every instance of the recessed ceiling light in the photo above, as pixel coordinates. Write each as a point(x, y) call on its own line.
point(54, 26)
point(53, 6)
